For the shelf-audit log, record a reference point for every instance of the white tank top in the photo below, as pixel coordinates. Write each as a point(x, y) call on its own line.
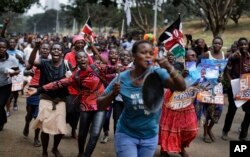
point(211, 57)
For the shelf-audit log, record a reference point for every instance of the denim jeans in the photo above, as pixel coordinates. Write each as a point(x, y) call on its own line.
point(118, 107)
point(128, 146)
point(90, 122)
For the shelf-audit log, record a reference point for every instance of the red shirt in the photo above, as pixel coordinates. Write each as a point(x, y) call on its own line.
point(70, 57)
point(90, 86)
point(35, 79)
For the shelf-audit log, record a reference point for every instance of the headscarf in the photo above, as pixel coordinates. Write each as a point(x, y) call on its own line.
point(77, 38)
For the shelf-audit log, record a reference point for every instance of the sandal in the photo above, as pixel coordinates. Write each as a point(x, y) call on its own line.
point(37, 143)
point(207, 140)
point(57, 153)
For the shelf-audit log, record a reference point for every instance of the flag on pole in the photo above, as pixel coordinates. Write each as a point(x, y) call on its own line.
point(87, 28)
point(172, 38)
point(127, 11)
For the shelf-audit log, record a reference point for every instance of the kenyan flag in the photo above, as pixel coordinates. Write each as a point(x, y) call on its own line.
point(172, 38)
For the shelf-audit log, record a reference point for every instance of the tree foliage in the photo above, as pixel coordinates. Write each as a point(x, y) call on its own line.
point(214, 12)
point(106, 13)
point(101, 15)
point(17, 6)
point(240, 7)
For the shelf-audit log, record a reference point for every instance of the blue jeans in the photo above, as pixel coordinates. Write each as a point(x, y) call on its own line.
point(90, 122)
point(128, 146)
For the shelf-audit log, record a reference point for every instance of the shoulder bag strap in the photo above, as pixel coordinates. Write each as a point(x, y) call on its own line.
point(97, 72)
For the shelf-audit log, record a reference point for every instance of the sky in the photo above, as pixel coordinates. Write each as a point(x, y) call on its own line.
point(36, 9)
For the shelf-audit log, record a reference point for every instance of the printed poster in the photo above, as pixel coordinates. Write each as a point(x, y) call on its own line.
point(244, 84)
point(212, 96)
point(181, 100)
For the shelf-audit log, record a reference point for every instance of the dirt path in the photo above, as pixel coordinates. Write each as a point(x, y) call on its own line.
point(13, 143)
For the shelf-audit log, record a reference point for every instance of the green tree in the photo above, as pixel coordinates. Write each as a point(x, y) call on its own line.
point(101, 15)
point(240, 7)
point(16, 6)
point(214, 12)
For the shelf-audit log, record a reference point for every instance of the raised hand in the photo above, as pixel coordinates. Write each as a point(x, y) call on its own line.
point(30, 91)
point(88, 38)
point(38, 42)
point(163, 62)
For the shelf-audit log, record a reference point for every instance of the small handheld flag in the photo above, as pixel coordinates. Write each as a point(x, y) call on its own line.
point(172, 38)
point(87, 28)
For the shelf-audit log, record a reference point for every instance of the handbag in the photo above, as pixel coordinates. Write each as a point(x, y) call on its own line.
point(17, 83)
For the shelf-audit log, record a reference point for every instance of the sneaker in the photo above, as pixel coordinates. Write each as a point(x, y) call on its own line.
point(224, 136)
point(15, 108)
point(7, 114)
point(37, 143)
point(105, 139)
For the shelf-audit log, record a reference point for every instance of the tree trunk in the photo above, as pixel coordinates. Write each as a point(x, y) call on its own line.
point(216, 13)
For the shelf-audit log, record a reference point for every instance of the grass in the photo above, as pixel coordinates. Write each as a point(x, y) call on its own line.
point(233, 32)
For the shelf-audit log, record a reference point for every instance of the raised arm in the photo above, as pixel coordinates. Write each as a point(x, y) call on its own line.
point(58, 84)
point(51, 86)
point(175, 81)
point(32, 59)
point(95, 51)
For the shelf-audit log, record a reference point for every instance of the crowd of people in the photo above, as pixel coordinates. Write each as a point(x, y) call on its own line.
point(80, 80)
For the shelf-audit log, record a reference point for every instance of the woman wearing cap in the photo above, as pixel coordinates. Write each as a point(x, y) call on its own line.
point(79, 43)
point(72, 116)
point(137, 129)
